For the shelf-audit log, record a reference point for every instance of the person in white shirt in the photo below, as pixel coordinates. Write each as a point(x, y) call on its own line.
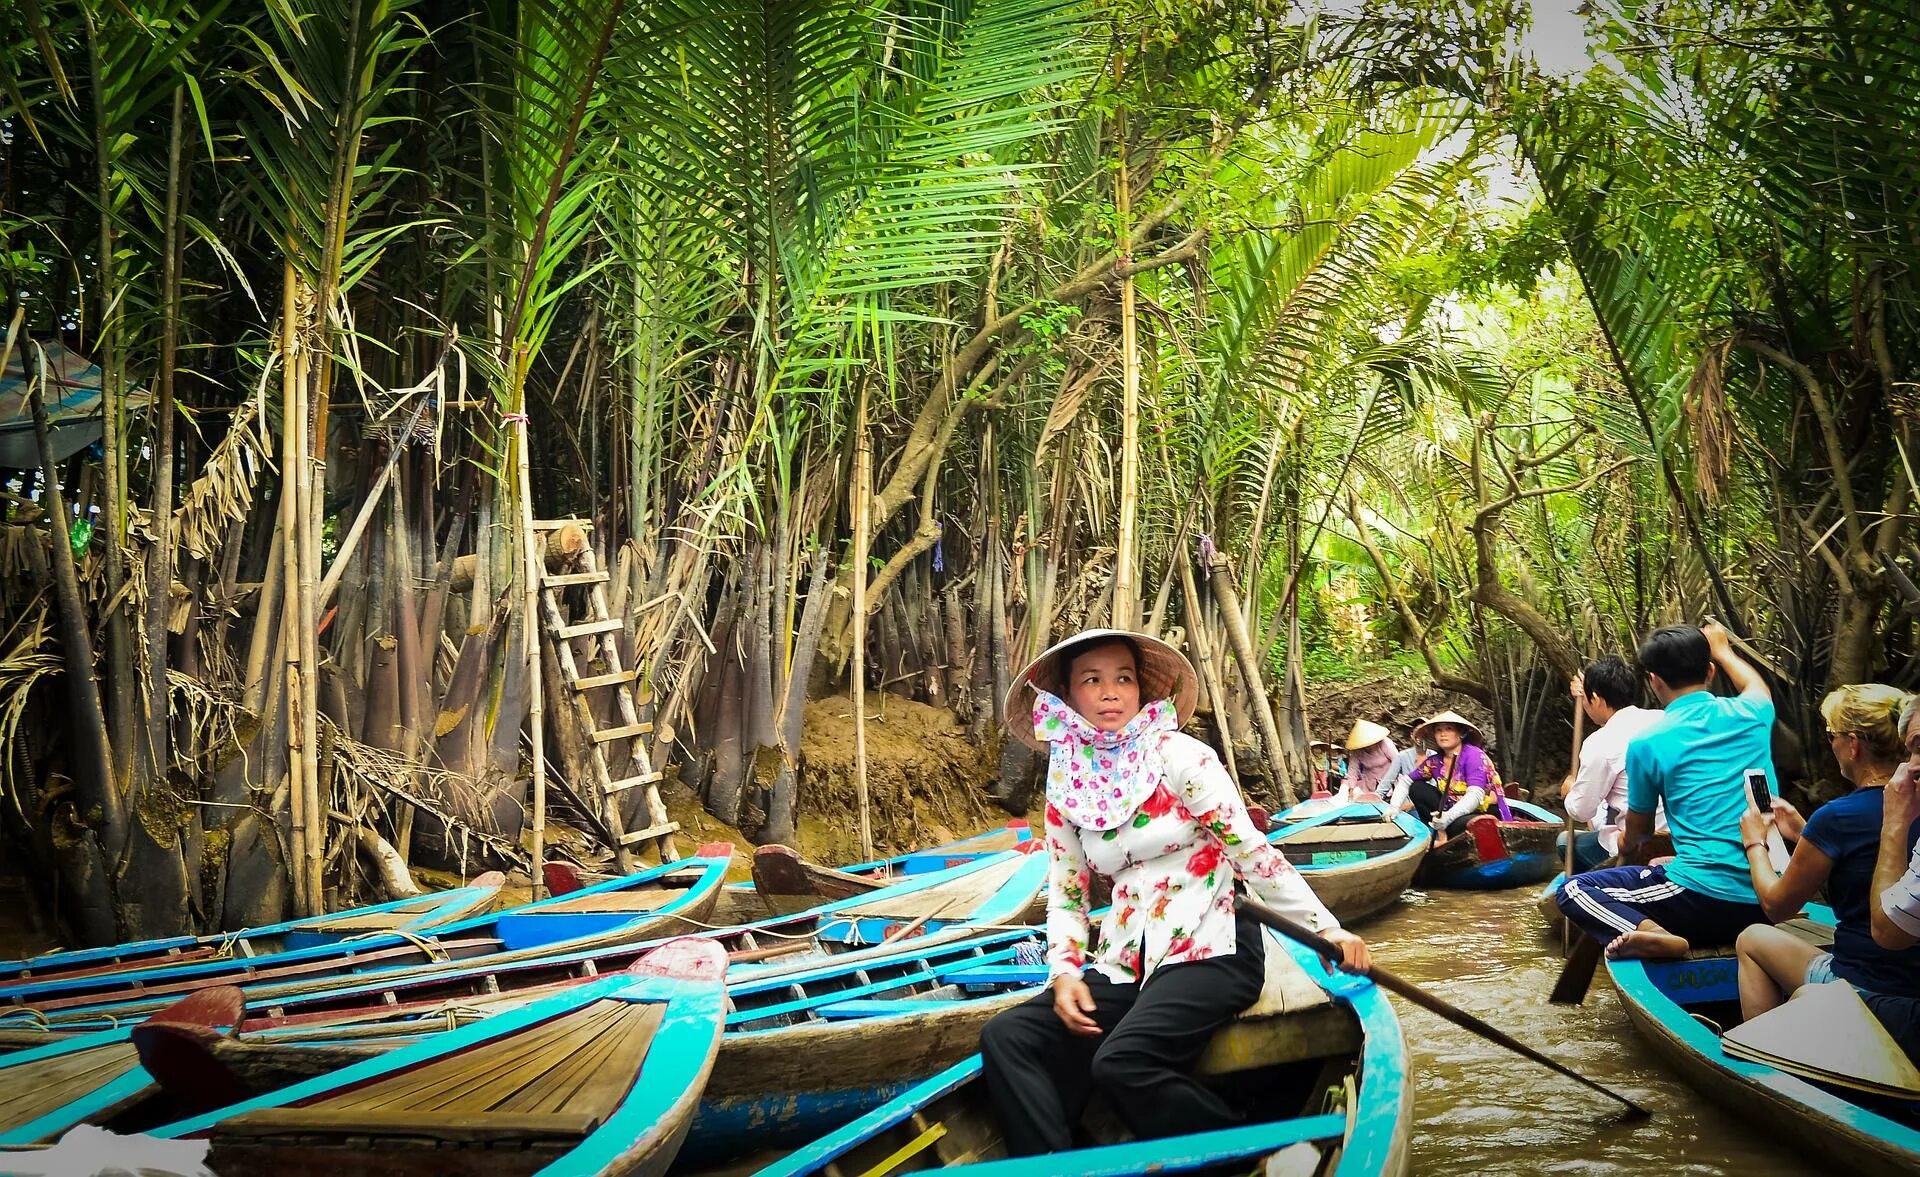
point(1895, 918)
point(1596, 793)
point(1400, 773)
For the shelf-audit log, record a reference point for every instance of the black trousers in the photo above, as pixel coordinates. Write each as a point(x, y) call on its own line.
point(1430, 803)
point(1040, 1075)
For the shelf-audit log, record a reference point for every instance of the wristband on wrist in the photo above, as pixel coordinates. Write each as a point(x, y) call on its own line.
point(1749, 847)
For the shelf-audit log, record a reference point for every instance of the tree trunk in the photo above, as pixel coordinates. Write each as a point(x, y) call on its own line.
point(1221, 577)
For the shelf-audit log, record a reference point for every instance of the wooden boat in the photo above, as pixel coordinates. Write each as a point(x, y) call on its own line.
point(1550, 910)
point(1493, 855)
point(95, 1078)
point(1319, 1065)
point(993, 892)
point(844, 1033)
point(783, 880)
point(663, 899)
point(1358, 859)
point(416, 916)
point(1667, 1000)
point(602, 1078)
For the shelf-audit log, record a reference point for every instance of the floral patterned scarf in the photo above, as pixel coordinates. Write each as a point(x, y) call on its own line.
point(1098, 778)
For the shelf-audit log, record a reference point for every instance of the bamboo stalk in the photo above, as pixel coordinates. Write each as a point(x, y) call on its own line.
point(862, 478)
point(293, 457)
point(531, 567)
point(83, 690)
point(1221, 577)
point(1126, 589)
point(1203, 654)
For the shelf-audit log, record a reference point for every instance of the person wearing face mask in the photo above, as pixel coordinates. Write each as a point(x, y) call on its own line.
point(1837, 848)
point(1132, 798)
point(1457, 781)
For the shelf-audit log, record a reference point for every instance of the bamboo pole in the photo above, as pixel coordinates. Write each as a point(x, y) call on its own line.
point(862, 476)
point(1126, 590)
point(89, 723)
point(1220, 575)
point(532, 565)
point(292, 459)
point(1203, 654)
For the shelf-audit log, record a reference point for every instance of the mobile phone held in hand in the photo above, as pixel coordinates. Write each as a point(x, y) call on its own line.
point(1758, 791)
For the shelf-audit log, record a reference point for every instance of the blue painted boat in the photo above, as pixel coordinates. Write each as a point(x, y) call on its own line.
point(602, 1078)
point(784, 882)
point(1358, 858)
point(1011, 836)
point(95, 1078)
point(1326, 1077)
point(1666, 1001)
point(805, 1049)
point(415, 916)
point(1494, 855)
point(657, 900)
point(1545, 901)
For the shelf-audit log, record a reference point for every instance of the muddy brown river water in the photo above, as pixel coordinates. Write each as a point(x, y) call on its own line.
point(1480, 1109)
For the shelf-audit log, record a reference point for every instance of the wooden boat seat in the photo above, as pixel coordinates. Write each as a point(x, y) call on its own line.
point(1294, 1019)
point(31, 1090)
point(1807, 931)
point(1359, 831)
point(638, 899)
point(1287, 988)
point(560, 1078)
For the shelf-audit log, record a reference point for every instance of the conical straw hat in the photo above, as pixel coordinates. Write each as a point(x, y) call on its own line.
point(1469, 729)
point(1365, 734)
point(1827, 1033)
point(1165, 673)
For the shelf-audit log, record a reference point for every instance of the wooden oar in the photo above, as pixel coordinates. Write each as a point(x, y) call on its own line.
point(1427, 1001)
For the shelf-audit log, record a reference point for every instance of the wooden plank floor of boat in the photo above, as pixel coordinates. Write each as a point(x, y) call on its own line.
point(560, 1078)
point(1807, 931)
point(31, 1090)
point(1362, 831)
point(954, 900)
point(637, 900)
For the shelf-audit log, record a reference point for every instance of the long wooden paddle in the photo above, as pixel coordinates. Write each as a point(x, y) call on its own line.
point(1427, 1001)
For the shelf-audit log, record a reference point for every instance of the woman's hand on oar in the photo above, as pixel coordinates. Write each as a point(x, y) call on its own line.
point(1353, 957)
point(1428, 1001)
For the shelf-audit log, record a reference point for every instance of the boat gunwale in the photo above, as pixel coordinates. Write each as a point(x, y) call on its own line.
point(1819, 1118)
point(1375, 1139)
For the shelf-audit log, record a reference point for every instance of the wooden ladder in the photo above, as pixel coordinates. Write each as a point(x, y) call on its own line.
point(603, 629)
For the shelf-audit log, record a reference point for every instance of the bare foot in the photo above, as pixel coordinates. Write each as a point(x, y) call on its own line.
point(1645, 945)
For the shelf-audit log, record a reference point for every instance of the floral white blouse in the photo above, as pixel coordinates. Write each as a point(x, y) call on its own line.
point(1172, 865)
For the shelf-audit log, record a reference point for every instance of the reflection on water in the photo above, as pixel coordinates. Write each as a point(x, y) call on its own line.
point(1481, 1109)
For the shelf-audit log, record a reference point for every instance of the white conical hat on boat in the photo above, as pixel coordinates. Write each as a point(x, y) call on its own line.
point(1827, 1033)
point(1365, 734)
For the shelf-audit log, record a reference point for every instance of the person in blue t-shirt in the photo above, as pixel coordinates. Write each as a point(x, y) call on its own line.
point(1695, 761)
point(1838, 847)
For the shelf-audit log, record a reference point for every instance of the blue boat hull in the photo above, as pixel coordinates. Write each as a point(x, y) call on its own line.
point(1371, 1136)
point(1530, 857)
point(1843, 1136)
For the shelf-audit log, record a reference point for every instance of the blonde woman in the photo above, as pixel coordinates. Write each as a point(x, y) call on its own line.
point(1838, 847)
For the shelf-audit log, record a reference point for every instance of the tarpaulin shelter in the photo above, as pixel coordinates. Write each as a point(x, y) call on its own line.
point(72, 398)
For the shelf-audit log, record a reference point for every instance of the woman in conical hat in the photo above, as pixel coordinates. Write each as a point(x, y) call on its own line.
point(1153, 810)
point(1835, 852)
point(1457, 781)
point(1370, 752)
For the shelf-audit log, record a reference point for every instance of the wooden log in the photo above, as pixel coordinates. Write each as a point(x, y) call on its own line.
point(388, 867)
